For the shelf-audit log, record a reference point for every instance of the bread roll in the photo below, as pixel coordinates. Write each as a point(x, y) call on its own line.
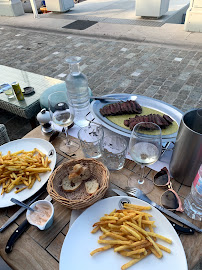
point(79, 173)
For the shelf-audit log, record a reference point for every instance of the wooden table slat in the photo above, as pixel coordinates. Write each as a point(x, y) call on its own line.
point(65, 229)
point(27, 254)
point(39, 250)
point(56, 245)
point(61, 218)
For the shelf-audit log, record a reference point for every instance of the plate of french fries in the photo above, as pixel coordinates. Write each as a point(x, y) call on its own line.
point(25, 166)
point(119, 235)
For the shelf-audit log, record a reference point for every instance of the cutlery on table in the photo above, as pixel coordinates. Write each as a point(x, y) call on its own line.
point(22, 209)
point(177, 227)
point(22, 204)
point(112, 99)
point(19, 231)
point(16, 234)
point(140, 195)
point(101, 98)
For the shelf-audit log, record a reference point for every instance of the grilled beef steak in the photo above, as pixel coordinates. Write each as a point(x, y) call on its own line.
point(162, 121)
point(127, 107)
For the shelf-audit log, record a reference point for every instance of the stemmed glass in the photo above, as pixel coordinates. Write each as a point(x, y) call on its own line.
point(62, 116)
point(145, 149)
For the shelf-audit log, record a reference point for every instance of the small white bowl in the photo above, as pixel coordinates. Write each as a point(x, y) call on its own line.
point(49, 222)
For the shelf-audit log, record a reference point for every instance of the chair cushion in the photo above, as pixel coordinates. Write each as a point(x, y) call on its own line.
point(53, 89)
point(3, 135)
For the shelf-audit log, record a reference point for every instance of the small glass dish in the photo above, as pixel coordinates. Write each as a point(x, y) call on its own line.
point(42, 217)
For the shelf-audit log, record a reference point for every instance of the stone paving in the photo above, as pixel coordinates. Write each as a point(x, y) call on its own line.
point(165, 73)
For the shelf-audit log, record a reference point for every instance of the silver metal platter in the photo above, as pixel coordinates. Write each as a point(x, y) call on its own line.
point(148, 102)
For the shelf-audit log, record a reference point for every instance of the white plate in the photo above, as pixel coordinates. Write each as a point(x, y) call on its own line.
point(27, 145)
point(79, 242)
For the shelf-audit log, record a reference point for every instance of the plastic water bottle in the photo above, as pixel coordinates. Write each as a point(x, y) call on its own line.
point(193, 202)
point(77, 91)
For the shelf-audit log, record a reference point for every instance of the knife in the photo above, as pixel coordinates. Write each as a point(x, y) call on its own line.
point(21, 210)
point(177, 227)
point(19, 231)
point(105, 98)
point(169, 213)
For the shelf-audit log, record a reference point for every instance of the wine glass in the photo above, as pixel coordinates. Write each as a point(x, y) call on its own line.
point(145, 149)
point(62, 116)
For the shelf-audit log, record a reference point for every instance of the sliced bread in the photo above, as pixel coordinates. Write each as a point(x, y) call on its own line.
point(91, 186)
point(69, 186)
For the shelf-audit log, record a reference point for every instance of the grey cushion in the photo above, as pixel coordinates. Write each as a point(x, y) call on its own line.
point(3, 135)
point(55, 88)
point(51, 90)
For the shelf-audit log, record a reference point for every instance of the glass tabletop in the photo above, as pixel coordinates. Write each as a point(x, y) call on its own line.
point(39, 82)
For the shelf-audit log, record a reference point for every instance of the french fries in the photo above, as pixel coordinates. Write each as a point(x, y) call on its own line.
point(22, 168)
point(130, 232)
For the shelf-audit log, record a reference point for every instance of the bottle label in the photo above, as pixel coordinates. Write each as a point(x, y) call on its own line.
point(198, 183)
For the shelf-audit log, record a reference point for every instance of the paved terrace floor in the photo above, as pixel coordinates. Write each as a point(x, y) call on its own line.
point(160, 62)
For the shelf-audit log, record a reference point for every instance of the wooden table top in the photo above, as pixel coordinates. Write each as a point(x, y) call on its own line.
point(40, 250)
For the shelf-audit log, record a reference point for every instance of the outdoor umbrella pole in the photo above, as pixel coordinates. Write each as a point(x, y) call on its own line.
point(34, 8)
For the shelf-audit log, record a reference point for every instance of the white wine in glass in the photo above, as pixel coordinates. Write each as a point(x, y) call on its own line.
point(62, 115)
point(145, 149)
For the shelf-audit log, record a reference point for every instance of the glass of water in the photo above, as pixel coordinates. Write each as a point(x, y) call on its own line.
point(114, 152)
point(145, 149)
point(91, 139)
point(9, 92)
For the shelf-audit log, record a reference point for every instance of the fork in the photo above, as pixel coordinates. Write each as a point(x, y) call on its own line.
point(140, 195)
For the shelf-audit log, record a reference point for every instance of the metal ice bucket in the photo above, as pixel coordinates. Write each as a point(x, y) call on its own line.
point(187, 154)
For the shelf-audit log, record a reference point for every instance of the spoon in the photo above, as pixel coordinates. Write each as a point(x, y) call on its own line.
point(22, 204)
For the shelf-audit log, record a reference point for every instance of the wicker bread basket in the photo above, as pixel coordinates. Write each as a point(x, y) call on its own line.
point(79, 198)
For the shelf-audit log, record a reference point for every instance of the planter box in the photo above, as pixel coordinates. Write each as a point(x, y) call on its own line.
point(151, 8)
point(11, 8)
point(59, 5)
point(193, 22)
